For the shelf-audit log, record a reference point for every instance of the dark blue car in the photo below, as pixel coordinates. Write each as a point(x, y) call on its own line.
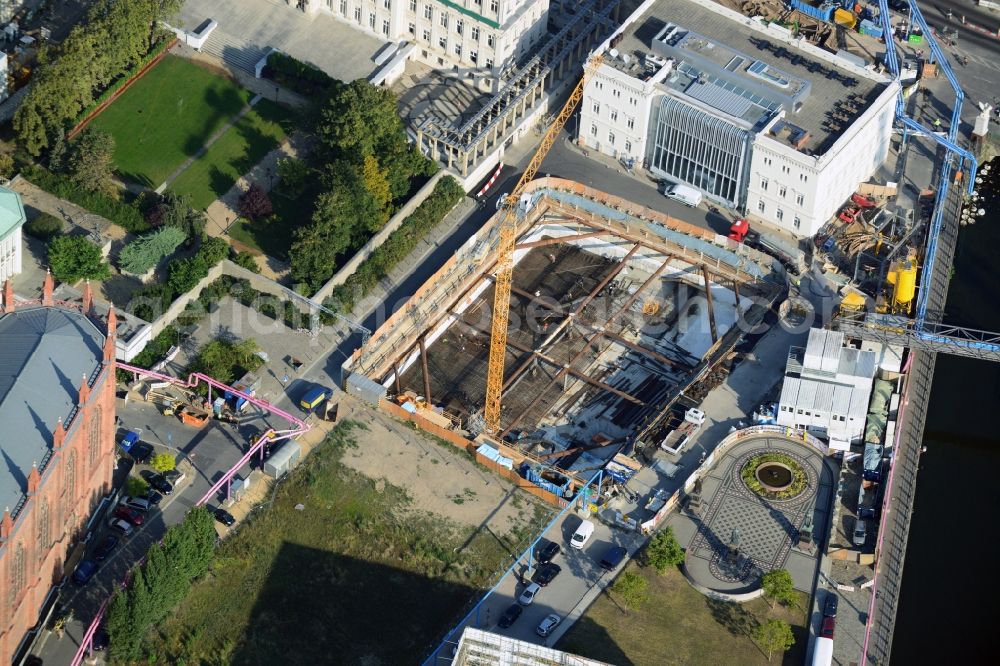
point(84, 572)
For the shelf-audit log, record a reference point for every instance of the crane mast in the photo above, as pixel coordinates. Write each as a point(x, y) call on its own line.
point(505, 255)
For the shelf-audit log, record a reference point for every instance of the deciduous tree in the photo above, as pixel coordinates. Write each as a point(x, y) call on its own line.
point(254, 203)
point(90, 162)
point(773, 636)
point(163, 462)
point(72, 258)
point(631, 589)
point(663, 551)
point(778, 586)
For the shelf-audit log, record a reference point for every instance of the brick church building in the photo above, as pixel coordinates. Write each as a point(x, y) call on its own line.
point(57, 431)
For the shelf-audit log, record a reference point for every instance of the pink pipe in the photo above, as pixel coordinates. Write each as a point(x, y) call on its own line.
point(89, 635)
point(192, 381)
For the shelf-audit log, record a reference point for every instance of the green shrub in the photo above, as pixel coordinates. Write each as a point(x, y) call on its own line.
point(246, 260)
point(135, 486)
point(44, 227)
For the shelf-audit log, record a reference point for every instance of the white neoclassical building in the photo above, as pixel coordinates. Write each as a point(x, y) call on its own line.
point(757, 119)
point(481, 37)
point(11, 220)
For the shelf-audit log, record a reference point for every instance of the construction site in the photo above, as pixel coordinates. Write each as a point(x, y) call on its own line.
point(615, 311)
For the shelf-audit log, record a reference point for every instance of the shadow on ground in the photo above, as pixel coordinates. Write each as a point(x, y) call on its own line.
point(594, 642)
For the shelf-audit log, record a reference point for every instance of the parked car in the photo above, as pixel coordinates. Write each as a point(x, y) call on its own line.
point(510, 616)
point(133, 516)
point(529, 594)
point(153, 498)
point(546, 573)
point(549, 552)
point(613, 557)
point(582, 535)
point(224, 517)
point(122, 526)
point(174, 476)
point(106, 547)
point(84, 572)
point(141, 452)
point(899, 6)
point(860, 532)
point(140, 503)
point(101, 640)
point(829, 624)
point(158, 483)
point(546, 626)
point(830, 605)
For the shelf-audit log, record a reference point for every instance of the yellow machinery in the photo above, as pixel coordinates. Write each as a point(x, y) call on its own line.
point(903, 276)
point(505, 255)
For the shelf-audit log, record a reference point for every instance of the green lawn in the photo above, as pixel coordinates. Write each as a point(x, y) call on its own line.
point(235, 153)
point(679, 625)
point(351, 576)
point(166, 117)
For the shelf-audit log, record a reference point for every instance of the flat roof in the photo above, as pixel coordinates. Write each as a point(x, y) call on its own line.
point(735, 69)
point(44, 354)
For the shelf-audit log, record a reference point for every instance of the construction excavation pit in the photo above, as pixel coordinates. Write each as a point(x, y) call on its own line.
point(615, 309)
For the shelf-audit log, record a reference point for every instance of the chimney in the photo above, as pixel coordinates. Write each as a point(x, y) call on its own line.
point(34, 479)
point(47, 288)
point(84, 393)
point(59, 436)
point(8, 296)
point(88, 298)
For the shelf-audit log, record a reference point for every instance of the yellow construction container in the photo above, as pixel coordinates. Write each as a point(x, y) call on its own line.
point(903, 275)
point(845, 18)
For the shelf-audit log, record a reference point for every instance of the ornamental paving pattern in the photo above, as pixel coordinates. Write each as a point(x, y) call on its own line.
point(768, 529)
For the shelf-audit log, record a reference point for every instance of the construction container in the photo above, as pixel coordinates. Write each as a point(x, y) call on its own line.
point(283, 459)
point(903, 276)
point(845, 18)
point(871, 29)
point(821, 13)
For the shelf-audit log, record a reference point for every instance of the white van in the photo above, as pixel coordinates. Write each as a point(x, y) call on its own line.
point(582, 535)
point(683, 193)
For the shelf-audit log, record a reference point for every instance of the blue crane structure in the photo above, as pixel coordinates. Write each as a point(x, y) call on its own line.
point(925, 330)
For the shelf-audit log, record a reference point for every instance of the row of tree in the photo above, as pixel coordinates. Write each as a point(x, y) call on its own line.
point(115, 37)
point(364, 166)
point(183, 555)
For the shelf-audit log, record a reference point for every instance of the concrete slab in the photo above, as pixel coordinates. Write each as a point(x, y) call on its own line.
point(343, 52)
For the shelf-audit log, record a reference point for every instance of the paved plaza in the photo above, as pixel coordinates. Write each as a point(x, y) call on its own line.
point(767, 528)
point(252, 26)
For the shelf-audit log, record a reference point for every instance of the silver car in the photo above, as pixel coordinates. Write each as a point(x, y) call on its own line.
point(529, 594)
point(548, 624)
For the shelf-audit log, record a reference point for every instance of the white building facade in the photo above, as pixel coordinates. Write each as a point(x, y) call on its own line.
point(735, 108)
point(479, 37)
point(827, 387)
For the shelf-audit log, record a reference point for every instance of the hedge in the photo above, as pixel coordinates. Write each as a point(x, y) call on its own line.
point(446, 195)
point(125, 214)
point(296, 75)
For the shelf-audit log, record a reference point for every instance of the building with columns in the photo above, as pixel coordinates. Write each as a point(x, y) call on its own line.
point(57, 407)
point(757, 119)
point(11, 244)
point(479, 37)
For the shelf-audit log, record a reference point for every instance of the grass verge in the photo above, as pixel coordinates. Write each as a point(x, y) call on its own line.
point(355, 572)
point(679, 625)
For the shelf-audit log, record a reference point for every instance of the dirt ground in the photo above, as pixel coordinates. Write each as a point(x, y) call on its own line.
point(438, 477)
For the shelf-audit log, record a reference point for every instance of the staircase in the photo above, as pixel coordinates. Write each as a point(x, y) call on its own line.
point(234, 52)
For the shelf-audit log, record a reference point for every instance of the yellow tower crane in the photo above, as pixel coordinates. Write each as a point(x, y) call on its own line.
point(505, 254)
